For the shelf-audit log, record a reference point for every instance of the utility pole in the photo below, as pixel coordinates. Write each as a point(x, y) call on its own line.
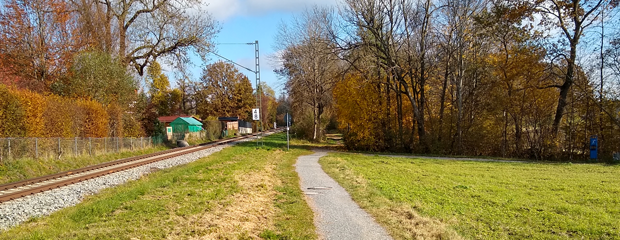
point(259, 91)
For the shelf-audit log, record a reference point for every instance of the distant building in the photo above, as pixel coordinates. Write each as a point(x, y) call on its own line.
point(233, 123)
point(167, 120)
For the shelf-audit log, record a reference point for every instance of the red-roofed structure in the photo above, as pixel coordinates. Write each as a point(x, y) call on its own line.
point(166, 120)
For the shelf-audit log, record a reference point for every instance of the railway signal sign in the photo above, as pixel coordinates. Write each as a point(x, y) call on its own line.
point(255, 114)
point(287, 119)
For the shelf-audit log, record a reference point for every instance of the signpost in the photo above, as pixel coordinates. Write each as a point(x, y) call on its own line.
point(256, 117)
point(255, 114)
point(287, 119)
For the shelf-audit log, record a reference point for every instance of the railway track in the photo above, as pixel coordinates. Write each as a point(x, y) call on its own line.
point(32, 186)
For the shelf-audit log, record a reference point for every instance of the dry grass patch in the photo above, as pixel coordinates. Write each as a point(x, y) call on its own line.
point(245, 214)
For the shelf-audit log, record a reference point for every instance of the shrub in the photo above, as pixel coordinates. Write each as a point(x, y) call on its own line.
point(12, 114)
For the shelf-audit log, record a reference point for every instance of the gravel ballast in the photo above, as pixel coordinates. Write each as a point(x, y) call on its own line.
point(17, 211)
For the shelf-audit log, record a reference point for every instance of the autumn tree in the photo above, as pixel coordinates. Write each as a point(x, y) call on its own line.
point(159, 89)
point(283, 107)
point(38, 39)
point(146, 30)
point(396, 34)
point(269, 105)
point(93, 24)
point(309, 64)
point(99, 76)
point(571, 18)
point(224, 91)
point(187, 89)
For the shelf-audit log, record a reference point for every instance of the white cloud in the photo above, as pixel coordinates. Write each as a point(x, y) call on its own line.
point(225, 9)
point(248, 63)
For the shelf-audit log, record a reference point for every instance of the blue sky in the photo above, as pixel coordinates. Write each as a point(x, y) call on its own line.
point(244, 21)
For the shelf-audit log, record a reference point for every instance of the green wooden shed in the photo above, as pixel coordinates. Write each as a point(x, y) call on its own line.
point(186, 125)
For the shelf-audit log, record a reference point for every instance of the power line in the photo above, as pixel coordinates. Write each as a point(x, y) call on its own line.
point(234, 43)
point(233, 62)
point(259, 100)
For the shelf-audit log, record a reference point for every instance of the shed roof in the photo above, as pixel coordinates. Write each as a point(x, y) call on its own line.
point(228, 119)
point(187, 120)
point(168, 119)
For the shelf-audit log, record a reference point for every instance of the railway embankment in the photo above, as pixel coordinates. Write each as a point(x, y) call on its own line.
point(238, 192)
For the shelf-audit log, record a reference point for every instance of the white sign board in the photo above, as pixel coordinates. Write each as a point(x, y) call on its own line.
point(255, 114)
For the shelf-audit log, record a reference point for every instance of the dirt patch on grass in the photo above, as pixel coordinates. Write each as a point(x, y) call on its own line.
point(406, 223)
point(245, 215)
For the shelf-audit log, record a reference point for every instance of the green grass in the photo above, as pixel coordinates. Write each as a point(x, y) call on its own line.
point(21, 169)
point(484, 200)
point(177, 203)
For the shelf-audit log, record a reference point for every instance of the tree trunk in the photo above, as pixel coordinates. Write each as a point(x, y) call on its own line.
point(420, 122)
point(122, 40)
point(108, 29)
point(422, 100)
point(565, 88)
point(399, 101)
point(459, 99)
point(315, 113)
point(442, 103)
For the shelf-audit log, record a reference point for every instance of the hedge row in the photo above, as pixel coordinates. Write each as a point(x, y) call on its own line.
point(28, 114)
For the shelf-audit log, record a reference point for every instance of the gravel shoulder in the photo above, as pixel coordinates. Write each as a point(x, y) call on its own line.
point(337, 216)
point(15, 212)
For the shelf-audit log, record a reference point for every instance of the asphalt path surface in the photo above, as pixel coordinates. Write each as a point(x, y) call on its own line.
point(337, 216)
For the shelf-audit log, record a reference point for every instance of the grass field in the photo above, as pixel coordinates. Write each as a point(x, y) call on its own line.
point(238, 193)
point(21, 169)
point(423, 198)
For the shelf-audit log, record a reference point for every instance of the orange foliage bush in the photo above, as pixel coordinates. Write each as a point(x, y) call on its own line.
point(11, 114)
point(24, 113)
point(95, 119)
point(34, 105)
point(57, 117)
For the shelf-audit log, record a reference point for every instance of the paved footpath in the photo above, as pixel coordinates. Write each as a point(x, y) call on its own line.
point(336, 215)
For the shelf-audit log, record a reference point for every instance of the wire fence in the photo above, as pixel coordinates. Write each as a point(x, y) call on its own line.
point(18, 148)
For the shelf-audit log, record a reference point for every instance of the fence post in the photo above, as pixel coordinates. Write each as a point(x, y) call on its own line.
point(9, 156)
point(105, 145)
point(75, 146)
point(141, 142)
point(36, 148)
point(90, 146)
point(116, 144)
point(59, 150)
point(131, 143)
